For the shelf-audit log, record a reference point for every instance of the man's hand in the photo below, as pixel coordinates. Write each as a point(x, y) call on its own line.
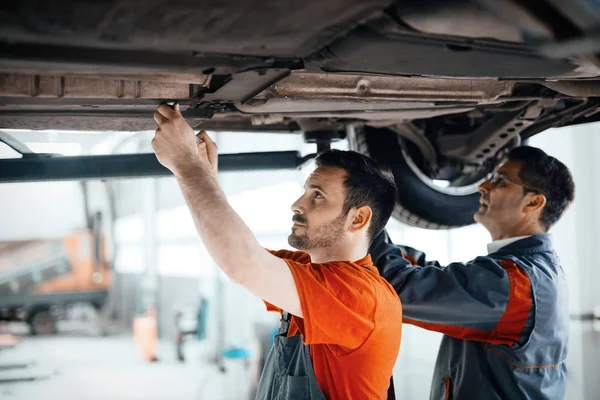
point(208, 153)
point(176, 146)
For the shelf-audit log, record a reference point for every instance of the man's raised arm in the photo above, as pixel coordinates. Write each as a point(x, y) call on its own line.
point(227, 238)
point(485, 300)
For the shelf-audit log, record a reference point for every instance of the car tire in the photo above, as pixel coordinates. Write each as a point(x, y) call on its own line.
point(418, 204)
point(42, 322)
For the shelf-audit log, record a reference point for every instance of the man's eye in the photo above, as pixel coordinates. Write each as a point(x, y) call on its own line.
point(318, 195)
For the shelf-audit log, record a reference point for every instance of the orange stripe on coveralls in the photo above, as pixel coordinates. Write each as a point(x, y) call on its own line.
point(510, 327)
point(457, 332)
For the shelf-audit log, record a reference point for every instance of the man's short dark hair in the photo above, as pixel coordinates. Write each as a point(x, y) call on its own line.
point(366, 183)
point(547, 176)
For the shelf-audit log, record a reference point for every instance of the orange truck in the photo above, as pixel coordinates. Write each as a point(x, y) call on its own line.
point(40, 278)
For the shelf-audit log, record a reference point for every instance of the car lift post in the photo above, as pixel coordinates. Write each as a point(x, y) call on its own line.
point(35, 167)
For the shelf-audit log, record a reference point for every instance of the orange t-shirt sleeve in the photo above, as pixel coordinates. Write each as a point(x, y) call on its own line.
point(286, 255)
point(272, 307)
point(338, 303)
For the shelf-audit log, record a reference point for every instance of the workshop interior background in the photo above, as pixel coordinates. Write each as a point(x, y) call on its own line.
point(211, 333)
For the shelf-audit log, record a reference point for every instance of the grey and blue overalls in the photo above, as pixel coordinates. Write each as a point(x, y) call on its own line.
point(504, 317)
point(288, 373)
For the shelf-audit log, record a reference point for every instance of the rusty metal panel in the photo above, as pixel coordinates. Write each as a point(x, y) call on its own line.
point(14, 85)
point(77, 87)
point(46, 86)
point(303, 85)
point(165, 90)
point(88, 88)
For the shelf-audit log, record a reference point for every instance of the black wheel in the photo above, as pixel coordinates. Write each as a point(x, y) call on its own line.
point(42, 322)
point(421, 202)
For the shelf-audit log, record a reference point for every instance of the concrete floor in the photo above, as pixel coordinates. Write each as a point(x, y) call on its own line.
point(90, 368)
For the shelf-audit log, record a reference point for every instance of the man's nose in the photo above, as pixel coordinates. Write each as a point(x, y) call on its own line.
point(297, 207)
point(484, 187)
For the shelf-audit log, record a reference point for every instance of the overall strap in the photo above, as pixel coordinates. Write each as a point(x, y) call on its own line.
point(286, 317)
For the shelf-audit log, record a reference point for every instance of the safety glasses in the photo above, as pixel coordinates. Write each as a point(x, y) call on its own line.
point(497, 178)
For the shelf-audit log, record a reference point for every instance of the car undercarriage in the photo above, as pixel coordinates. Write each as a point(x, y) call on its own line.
point(437, 90)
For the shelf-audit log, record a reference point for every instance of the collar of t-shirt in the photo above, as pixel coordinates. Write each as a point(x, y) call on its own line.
point(498, 244)
point(366, 262)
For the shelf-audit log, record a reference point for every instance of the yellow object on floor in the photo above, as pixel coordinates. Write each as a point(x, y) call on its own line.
point(145, 334)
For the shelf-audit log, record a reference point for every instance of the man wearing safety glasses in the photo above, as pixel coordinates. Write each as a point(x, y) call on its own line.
point(504, 316)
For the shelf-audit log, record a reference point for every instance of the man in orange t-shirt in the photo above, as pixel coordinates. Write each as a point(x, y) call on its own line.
point(346, 308)
point(341, 322)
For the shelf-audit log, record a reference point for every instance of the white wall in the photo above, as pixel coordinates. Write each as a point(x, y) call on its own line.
point(40, 210)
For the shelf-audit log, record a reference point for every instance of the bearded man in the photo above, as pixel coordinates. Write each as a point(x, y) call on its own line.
point(341, 321)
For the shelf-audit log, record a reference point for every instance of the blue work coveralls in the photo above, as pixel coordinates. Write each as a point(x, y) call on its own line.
point(504, 317)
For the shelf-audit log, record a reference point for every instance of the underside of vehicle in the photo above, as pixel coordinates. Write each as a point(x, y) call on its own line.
point(437, 90)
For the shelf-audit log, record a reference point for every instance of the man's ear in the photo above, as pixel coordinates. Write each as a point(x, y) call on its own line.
point(534, 202)
point(360, 218)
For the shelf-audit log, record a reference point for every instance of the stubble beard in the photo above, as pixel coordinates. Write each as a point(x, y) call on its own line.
point(322, 236)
